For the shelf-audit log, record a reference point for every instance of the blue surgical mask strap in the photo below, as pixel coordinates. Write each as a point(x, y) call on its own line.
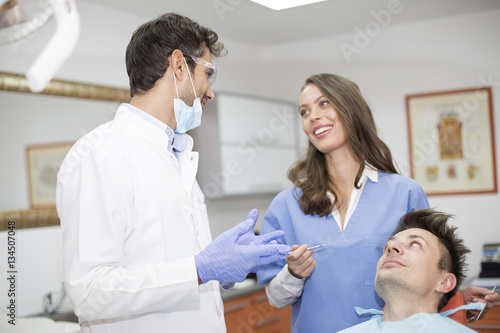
point(187, 117)
point(190, 79)
point(175, 81)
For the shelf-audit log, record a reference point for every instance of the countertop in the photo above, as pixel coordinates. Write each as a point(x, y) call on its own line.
point(240, 289)
point(247, 287)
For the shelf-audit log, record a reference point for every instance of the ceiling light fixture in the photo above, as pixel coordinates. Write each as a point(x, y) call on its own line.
point(280, 4)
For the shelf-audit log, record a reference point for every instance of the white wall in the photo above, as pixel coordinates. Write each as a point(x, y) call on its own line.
point(401, 59)
point(38, 265)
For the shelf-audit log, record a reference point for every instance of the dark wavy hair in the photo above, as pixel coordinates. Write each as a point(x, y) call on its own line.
point(453, 249)
point(154, 41)
point(311, 172)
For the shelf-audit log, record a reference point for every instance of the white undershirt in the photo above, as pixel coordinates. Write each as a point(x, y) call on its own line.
point(368, 172)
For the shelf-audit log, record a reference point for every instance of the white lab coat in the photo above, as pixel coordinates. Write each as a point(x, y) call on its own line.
point(133, 217)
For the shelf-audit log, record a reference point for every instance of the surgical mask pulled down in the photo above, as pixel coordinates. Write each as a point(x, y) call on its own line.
point(187, 117)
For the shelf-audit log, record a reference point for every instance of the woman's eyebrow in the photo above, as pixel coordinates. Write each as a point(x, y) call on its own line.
point(317, 99)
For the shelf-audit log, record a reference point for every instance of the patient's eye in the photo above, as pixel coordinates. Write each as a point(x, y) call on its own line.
point(415, 244)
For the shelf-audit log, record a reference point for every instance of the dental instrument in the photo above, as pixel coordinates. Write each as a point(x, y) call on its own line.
point(311, 248)
point(473, 319)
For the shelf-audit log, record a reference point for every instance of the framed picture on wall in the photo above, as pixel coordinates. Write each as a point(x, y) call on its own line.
point(452, 145)
point(43, 164)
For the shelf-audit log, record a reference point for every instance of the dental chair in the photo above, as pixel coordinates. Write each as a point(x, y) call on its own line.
point(456, 301)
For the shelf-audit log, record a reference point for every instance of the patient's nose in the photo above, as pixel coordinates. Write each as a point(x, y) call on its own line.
point(394, 247)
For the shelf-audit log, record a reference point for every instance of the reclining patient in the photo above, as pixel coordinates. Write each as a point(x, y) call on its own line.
point(421, 268)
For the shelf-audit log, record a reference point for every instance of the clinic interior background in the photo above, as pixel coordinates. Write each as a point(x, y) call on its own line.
point(433, 55)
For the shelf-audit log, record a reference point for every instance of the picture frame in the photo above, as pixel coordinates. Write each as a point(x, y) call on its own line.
point(43, 163)
point(451, 141)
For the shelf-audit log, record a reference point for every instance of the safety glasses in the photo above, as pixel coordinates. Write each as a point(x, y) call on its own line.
point(212, 75)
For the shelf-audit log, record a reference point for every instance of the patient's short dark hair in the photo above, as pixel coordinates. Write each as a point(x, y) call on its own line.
point(453, 250)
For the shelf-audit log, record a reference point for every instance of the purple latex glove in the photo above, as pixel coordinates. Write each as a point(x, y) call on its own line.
point(238, 251)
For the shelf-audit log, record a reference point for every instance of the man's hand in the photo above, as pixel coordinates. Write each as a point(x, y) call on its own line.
point(238, 251)
point(249, 237)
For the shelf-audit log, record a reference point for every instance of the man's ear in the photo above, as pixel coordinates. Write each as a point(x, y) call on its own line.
point(447, 283)
point(177, 64)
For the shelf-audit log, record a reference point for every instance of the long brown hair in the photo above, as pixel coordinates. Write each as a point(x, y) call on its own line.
point(311, 172)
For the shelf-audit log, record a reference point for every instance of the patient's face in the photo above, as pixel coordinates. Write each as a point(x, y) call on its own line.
point(409, 263)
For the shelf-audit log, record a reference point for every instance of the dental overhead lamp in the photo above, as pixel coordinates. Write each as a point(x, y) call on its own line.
point(21, 18)
point(281, 4)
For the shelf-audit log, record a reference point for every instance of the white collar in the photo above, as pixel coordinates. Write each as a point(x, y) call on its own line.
point(369, 171)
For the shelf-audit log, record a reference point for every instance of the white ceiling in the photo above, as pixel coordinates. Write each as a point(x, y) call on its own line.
point(248, 22)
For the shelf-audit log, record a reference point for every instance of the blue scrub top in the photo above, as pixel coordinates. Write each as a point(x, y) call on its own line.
point(345, 269)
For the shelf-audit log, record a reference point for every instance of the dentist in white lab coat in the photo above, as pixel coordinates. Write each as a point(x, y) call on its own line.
point(138, 254)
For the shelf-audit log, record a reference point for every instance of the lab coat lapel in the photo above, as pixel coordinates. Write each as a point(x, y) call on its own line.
point(189, 168)
point(188, 161)
point(156, 139)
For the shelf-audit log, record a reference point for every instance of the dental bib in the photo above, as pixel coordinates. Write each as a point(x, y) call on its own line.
point(420, 322)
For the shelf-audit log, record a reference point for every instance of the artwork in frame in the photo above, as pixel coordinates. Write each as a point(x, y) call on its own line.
point(452, 145)
point(43, 164)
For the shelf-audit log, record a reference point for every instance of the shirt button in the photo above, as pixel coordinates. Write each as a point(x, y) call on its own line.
point(169, 133)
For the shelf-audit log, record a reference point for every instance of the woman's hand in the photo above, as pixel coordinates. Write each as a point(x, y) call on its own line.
point(300, 262)
point(478, 294)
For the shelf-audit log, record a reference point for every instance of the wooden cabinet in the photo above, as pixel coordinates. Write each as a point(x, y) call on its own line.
point(253, 314)
point(490, 323)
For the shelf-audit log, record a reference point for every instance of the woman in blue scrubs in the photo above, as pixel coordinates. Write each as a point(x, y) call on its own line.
point(348, 195)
